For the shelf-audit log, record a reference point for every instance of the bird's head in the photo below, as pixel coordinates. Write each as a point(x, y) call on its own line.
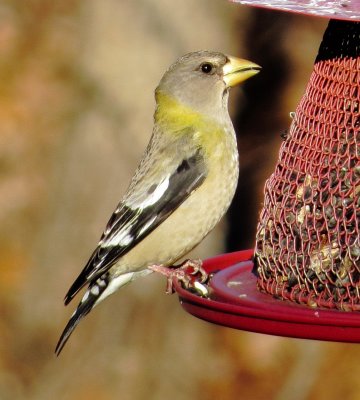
point(201, 80)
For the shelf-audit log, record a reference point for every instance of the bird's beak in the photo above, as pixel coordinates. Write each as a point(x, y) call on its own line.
point(237, 70)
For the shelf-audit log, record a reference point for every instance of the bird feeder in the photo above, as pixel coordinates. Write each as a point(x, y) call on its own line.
point(308, 242)
point(303, 278)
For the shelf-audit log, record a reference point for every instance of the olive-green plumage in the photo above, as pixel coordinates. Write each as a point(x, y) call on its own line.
point(183, 185)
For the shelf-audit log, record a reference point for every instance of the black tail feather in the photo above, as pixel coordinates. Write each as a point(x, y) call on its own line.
point(87, 303)
point(71, 325)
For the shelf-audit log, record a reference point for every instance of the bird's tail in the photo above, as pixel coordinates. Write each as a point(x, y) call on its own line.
point(92, 296)
point(96, 293)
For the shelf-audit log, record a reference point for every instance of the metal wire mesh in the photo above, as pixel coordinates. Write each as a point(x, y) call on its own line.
point(307, 241)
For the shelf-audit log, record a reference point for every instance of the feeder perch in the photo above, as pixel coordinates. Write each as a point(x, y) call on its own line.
point(303, 278)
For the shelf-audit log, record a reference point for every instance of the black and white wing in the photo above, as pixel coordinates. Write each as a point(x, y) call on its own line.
point(145, 208)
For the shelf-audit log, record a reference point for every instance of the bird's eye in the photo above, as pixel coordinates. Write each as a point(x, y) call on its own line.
point(206, 68)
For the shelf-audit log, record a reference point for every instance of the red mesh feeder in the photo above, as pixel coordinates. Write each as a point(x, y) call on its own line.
point(306, 279)
point(307, 242)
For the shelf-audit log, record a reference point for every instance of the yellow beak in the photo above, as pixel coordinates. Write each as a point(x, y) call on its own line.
point(237, 70)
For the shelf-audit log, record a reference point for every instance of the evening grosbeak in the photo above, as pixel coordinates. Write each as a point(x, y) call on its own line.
point(182, 187)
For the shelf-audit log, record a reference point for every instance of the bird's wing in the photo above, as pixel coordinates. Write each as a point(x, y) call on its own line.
point(145, 208)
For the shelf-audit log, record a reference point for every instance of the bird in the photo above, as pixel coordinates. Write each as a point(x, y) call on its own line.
point(182, 187)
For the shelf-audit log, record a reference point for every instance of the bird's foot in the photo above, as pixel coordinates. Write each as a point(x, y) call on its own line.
point(188, 273)
point(194, 269)
point(179, 274)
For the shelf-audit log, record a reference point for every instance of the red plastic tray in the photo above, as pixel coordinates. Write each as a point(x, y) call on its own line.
point(235, 302)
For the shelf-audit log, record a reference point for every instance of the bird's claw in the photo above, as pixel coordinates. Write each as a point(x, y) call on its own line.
point(171, 274)
point(197, 271)
point(190, 273)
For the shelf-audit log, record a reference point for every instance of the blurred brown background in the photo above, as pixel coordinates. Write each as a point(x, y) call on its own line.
point(76, 103)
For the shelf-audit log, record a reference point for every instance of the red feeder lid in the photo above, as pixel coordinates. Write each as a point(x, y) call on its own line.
point(334, 9)
point(235, 302)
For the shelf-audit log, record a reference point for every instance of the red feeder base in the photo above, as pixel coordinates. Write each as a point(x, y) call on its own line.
point(235, 302)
